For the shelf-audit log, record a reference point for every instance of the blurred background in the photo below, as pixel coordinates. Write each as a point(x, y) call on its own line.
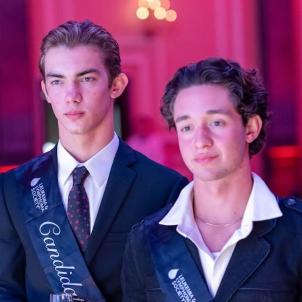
point(155, 38)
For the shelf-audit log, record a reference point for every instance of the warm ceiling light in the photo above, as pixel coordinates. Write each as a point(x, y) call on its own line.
point(142, 13)
point(171, 15)
point(160, 13)
point(161, 10)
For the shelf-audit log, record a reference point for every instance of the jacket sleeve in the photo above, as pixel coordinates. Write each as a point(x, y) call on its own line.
point(12, 260)
point(131, 278)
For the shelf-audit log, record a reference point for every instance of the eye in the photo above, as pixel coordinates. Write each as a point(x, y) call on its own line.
point(87, 79)
point(217, 123)
point(185, 129)
point(56, 82)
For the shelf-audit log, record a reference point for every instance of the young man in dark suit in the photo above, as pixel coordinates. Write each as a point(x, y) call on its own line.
point(65, 215)
point(227, 237)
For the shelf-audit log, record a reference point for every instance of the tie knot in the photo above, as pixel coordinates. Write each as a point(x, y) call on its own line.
point(79, 174)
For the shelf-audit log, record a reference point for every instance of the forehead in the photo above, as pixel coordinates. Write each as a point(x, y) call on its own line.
point(206, 96)
point(80, 56)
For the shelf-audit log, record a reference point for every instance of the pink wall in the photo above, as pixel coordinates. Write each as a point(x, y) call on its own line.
point(15, 93)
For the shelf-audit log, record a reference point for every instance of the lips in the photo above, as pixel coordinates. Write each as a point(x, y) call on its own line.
point(204, 158)
point(74, 114)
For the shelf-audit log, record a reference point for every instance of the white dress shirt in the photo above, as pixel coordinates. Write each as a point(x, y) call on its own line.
point(98, 166)
point(261, 205)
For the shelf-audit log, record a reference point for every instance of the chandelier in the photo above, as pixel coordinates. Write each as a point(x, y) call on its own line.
point(159, 8)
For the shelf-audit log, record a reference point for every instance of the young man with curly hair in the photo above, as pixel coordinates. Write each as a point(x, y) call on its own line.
point(227, 237)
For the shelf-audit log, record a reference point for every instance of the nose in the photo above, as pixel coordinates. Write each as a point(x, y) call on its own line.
point(203, 139)
point(73, 94)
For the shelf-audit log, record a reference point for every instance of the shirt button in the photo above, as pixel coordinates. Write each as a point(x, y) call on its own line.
point(291, 201)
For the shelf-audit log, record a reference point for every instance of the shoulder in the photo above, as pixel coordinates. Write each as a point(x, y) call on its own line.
point(142, 163)
point(150, 224)
point(291, 208)
point(288, 204)
point(43, 161)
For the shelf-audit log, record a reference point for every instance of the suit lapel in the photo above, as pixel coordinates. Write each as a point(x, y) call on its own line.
point(195, 255)
point(248, 255)
point(119, 182)
point(175, 265)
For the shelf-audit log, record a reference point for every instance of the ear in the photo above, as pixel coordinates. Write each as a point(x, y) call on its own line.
point(118, 85)
point(43, 87)
point(253, 128)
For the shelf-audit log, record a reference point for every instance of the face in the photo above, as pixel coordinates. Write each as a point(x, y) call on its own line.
point(212, 138)
point(77, 87)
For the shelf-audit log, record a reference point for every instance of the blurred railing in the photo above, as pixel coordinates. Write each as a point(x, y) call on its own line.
point(284, 170)
point(6, 168)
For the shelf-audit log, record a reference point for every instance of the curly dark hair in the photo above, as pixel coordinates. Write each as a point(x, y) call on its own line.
point(250, 96)
point(74, 33)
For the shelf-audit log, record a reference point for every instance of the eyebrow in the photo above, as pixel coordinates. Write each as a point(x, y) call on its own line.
point(54, 75)
point(80, 74)
point(181, 118)
point(210, 112)
point(91, 70)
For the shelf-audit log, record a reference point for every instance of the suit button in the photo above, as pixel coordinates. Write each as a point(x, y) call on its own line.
point(291, 201)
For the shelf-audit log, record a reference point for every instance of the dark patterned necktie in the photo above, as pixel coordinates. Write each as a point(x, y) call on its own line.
point(78, 207)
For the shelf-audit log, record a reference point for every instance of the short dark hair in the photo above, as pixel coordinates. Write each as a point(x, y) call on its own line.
point(250, 96)
point(74, 33)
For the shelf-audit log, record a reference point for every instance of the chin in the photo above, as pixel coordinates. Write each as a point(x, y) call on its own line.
point(76, 131)
point(208, 176)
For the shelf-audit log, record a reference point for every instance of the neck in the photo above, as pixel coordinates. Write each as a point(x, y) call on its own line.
point(218, 225)
point(222, 202)
point(83, 148)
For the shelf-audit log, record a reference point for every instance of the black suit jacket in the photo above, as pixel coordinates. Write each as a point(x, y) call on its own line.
point(266, 266)
point(136, 187)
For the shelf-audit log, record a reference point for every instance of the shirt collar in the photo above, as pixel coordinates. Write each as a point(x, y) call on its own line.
point(181, 208)
point(262, 205)
point(98, 165)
